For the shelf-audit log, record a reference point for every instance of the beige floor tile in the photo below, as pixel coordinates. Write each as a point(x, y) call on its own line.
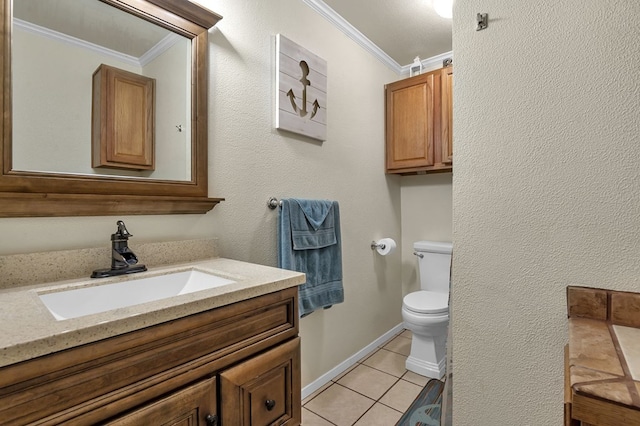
point(379, 415)
point(316, 393)
point(400, 345)
point(401, 395)
point(350, 396)
point(311, 419)
point(416, 379)
point(339, 405)
point(387, 361)
point(345, 372)
point(368, 381)
point(366, 357)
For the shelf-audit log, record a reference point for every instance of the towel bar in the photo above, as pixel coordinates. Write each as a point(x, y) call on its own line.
point(273, 202)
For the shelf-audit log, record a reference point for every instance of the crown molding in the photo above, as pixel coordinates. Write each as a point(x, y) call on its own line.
point(429, 64)
point(143, 60)
point(353, 33)
point(73, 41)
point(160, 47)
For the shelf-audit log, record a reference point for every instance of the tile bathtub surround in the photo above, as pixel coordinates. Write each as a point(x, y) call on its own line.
point(375, 391)
point(587, 303)
point(619, 307)
point(625, 309)
point(604, 346)
point(591, 346)
point(35, 268)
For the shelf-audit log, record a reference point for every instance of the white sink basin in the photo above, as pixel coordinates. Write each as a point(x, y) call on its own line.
point(79, 302)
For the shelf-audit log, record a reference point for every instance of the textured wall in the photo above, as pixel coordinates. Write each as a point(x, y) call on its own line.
point(426, 215)
point(249, 161)
point(545, 192)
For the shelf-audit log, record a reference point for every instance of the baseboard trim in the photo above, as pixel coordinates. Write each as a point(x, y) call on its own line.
point(353, 359)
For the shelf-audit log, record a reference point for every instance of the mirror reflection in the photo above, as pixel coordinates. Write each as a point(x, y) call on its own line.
point(57, 46)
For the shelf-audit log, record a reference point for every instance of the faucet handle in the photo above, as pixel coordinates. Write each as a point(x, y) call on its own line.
point(122, 230)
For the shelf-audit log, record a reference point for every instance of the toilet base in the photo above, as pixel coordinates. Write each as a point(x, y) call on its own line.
point(428, 356)
point(426, 368)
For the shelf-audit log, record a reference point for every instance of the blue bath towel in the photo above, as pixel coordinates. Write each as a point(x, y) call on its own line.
point(309, 242)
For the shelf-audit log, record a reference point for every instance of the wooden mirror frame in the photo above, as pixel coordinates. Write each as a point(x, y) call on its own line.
point(31, 194)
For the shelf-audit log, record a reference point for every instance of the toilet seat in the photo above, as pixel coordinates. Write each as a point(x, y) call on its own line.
point(427, 302)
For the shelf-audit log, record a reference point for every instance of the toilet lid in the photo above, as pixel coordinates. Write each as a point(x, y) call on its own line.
point(427, 302)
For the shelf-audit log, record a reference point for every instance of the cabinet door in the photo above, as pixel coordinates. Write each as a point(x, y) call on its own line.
point(447, 115)
point(194, 405)
point(409, 120)
point(123, 120)
point(265, 390)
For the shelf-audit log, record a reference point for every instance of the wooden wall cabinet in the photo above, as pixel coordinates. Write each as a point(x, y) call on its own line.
point(446, 107)
point(122, 120)
point(419, 123)
point(230, 366)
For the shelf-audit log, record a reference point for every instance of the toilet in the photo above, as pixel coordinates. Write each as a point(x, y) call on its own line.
point(426, 312)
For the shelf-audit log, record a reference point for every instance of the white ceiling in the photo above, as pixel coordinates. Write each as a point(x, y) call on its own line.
point(395, 31)
point(402, 29)
point(94, 22)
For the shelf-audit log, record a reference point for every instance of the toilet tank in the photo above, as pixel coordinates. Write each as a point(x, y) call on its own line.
point(434, 266)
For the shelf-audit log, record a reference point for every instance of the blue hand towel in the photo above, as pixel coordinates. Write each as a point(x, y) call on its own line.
point(309, 242)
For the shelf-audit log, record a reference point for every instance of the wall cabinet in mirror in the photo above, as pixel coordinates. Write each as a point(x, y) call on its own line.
point(123, 117)
point(48, 186)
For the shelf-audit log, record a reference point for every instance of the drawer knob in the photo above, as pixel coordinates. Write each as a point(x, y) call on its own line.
point(270, 403)
point(211, 419)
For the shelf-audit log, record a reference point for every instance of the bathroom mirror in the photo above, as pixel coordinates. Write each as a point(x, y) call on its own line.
point(46, 127)
point(53, 101)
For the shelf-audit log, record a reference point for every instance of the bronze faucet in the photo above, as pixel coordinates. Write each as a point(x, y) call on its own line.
point(123, 260)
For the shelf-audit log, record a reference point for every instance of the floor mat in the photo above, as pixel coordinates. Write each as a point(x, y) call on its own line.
point(425, 409)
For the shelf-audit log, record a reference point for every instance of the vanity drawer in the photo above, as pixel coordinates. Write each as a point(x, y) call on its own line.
point(264, 389)
point(189, 406)
point(90, 378)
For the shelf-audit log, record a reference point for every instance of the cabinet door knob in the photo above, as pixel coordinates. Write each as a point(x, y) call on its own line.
point(211, 419)
point(270, 403)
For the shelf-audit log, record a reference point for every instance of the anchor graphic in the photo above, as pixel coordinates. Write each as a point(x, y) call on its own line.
point(305, 82)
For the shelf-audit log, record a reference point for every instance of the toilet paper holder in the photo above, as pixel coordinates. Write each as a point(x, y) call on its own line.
point(384, 246)
point(375, 245)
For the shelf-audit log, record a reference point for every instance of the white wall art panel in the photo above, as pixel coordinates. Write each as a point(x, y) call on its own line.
point(301, 80)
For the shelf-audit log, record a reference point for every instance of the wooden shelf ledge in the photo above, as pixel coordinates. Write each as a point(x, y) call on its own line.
point(43, 204)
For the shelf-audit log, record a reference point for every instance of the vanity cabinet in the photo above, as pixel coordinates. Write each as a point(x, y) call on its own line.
point(419, 123)
point(259, 391)
point(234, 365)
point(193, 405)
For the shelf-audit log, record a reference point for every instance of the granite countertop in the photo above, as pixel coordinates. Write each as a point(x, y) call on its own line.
point(29, 330)
point(604, 345)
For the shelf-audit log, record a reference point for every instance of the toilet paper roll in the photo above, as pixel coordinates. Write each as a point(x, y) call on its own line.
point(386, 246)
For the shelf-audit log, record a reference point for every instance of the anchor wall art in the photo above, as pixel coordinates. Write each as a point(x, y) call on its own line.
point(301, 80)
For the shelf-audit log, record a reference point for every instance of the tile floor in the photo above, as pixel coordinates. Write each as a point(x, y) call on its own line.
point(375, 391)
